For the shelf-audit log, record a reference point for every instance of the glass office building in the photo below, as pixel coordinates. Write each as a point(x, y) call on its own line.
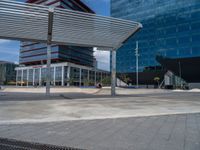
point(7, 73)
point(62, 74)
point(71, 65)
point(171, 30)
point(32, 53)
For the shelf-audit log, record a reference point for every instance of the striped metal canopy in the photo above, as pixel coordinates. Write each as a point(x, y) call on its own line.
point(22, 21)
point(30, 22)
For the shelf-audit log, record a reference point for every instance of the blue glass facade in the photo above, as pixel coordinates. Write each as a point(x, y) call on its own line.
point(171, 28)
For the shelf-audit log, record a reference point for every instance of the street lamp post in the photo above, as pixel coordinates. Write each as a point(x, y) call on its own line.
point(137, 56)
point(180, 73)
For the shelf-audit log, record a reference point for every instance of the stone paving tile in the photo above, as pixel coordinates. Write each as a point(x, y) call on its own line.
point(177, 138)
point(158, 142)
point(192, 140)
point(169, 132)
point(145, 135)
point(114, 134)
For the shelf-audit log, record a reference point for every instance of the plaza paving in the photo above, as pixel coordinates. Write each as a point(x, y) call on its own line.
point(135, 120)
point(170, 132)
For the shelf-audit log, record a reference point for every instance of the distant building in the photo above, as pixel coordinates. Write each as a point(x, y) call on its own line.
point(71, 65)
point(62, 74)
point(32, 53)
point(169, 39)
point(7, 73)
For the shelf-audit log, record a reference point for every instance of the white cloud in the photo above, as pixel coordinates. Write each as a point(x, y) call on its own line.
point(103, 59)
point(8, 51)
point(2, 41)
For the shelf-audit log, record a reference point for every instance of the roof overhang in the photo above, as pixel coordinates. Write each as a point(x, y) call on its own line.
point(30, 22)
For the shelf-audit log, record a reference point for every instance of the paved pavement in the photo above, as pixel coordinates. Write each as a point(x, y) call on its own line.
point(139, 120)
point(37, 108)
point(169, 132)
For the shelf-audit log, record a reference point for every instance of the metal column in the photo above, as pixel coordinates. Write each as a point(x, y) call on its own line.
point(88, 76)
point(54, 76)
point(95, 77)
point(33, 77)
point(62, 82)
point(40, 76)
point(101, 77)
point(48, 69)
point(16, 77)
point(113, 72)
point(22, 77)
point(49, 38)
point(27, 77)
point(68, 75)
point(80, 77)
point(137, 56)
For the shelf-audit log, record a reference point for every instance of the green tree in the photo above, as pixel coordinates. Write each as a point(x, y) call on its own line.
point(106, 81)
point(157, 80)
point(125, 78)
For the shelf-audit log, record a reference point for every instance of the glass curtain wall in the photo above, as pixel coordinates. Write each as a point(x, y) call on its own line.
point(170, 28)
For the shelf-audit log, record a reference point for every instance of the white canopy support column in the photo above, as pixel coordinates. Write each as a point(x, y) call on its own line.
point(68, 74)
point(54, 75)
point(48, 75)
point(22, 77)
point(113, 72)
point(95, 77)
point(101, 77)
point(62, 78)
point(27, 78)
point(16, 79)
point(88, 76)
point(33, 77)
point(49, 40)
point(80, 77)
point(40, 77)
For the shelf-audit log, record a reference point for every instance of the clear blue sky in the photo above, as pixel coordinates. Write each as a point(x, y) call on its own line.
point(9, 50)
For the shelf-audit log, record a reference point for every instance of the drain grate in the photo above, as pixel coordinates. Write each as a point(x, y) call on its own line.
point(10, 144)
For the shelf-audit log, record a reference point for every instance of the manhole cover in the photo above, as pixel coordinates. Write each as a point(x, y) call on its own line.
point(10, 144)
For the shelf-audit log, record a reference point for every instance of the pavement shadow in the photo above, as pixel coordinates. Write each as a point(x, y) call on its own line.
point(24, 96)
